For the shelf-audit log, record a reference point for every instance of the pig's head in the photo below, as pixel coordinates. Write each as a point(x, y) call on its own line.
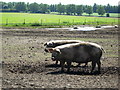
point(55, 53)
point(49, 44)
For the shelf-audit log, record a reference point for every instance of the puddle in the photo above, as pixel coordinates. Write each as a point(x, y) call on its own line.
point(82, 28)
point(90, 28)
point(107, 26)
point(57, 28)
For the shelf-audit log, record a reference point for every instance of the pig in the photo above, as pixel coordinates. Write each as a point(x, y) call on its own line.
point(55, 43)
point(79, 53)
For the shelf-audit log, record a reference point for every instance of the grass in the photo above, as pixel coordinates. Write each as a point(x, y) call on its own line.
point(115, 15)
point(28, 19)
point(111, 14)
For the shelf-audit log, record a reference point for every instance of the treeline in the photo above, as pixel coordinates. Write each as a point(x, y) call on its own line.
point(70, 9)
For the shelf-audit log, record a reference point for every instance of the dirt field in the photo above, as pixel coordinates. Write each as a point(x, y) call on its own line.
point(26, 65)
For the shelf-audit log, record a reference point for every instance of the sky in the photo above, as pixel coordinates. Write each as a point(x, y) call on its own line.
point(77, 2)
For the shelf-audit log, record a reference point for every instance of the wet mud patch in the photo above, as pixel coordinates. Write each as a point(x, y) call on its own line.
point(29, 67)
point(24, 67)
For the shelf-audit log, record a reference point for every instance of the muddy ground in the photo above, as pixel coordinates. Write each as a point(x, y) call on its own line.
point(26, 65)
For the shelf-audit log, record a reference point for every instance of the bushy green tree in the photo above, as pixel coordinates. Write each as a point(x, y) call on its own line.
point(20, 6)
point(101, 10)
point(34, 7)
point(95, 8)
point(61, 8)
point(2, 4)
point(108, 8)
point(118, 9)
point(68, 10)
point(89, 10)
point(52, 8)
point(10, 5)
point(79, 9)
point(44, 8)
point(5, 7)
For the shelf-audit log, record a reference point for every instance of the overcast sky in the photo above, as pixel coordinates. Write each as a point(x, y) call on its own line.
point(78, 2)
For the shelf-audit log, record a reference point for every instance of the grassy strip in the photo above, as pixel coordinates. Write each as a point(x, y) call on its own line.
point(115, 15)
point(49, 20)
point(55, 25)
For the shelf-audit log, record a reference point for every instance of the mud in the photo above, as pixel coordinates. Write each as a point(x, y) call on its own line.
point(26, 65)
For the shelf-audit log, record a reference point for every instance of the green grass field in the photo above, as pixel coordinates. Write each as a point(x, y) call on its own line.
point(114, 15)
point(50, 19)
point(111, 14)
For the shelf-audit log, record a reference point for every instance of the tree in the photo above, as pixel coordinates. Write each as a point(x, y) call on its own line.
point(2, 4)
point(108, 8)
point(79, 9)
point(60, 8)
point(5, 7)
point(115, 10)
point(10, 5)
point(84, 8)
point(118, 9)
point(27, 7)
point(44, 8)
point(101, 10)
point(72, 9)
point(95, 8)
point(89, 10)
point(34, 7)
point(52, 8)
point(107, 15)
point(14, 4)
point(67, 9)
point(20, 6)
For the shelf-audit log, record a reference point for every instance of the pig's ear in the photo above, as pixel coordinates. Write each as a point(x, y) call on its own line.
point(54, 49)
point(58, 50)
point(45, 44)
point(51, 50)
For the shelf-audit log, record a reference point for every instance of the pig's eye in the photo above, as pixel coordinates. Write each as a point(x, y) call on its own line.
point(50, 44)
